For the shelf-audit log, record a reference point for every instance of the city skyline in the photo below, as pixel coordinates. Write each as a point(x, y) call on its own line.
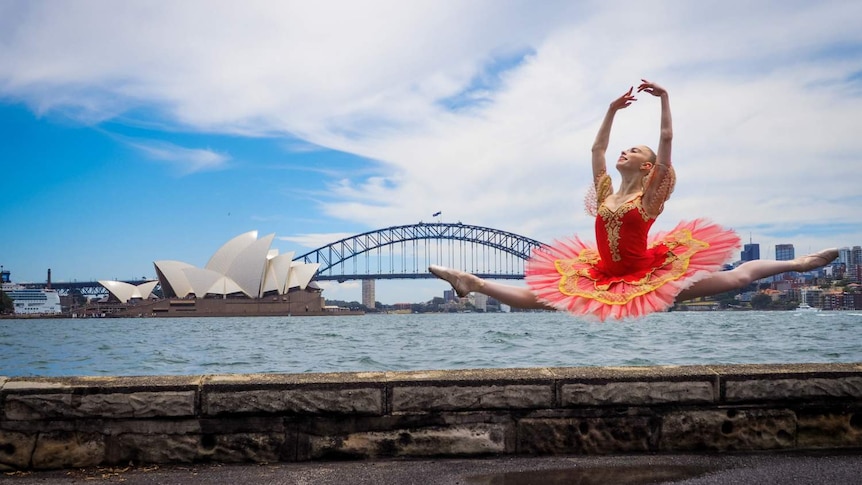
point(367, 288)
point(136, 132)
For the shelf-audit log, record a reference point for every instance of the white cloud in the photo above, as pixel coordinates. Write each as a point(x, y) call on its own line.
point(347, 291)
point(315, 241)
point(185, 160)
point(765, 103)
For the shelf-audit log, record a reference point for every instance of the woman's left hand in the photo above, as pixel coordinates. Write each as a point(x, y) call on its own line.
point(651, 88)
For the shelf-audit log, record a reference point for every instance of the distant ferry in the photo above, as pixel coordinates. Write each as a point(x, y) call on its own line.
point(806, 308)
point(27, 301)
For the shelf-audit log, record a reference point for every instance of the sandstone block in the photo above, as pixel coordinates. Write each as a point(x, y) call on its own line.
point(34, 407)
point(728, 430)
point(450, 398)
point(477, 439)
point(111, 405)
point(15, 449)
point(155, 448)
point(586, 435)
point(311, 401)
point(803, 388)
point(247, 447)
point(139, 404)
point(68, 450)
point(189, 448)
point(829, 430)
point(638, 393)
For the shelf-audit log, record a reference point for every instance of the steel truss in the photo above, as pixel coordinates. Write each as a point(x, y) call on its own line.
point(403, 252)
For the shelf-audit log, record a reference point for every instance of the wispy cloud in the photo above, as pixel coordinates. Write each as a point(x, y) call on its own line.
point(315, 241)
point(185, 160)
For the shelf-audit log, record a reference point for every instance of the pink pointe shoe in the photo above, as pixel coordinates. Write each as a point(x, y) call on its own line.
point(816, 260)
point(463, 283)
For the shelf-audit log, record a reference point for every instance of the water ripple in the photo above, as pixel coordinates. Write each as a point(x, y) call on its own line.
point(57, 347)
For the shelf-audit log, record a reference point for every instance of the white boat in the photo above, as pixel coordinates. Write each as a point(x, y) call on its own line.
point(806, 308)
point(31, 301)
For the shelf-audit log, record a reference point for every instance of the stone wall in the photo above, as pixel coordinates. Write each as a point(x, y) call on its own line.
point(86, 421)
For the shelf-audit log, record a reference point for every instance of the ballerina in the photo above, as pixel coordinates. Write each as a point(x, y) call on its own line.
point(629, 273)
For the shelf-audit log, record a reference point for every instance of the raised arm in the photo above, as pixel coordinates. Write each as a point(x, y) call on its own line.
point(600, 146)
point(666, 134)
point(661, 179)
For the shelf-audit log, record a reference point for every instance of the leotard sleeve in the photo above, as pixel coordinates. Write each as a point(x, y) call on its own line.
point(601, 188)
point(658, 186)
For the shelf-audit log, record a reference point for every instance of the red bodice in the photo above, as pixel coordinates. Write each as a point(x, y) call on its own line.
point(621, 240)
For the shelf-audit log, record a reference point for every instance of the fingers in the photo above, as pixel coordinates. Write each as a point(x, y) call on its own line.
point(651, 88)
point(645, 85)
point(626, 99)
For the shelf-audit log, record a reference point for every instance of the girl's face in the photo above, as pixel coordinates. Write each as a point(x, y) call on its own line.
point(635, 158)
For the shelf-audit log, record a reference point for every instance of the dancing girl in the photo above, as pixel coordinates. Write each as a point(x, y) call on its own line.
point(628, 272)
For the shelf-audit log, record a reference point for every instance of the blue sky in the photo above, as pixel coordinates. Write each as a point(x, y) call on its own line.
point(138, 131)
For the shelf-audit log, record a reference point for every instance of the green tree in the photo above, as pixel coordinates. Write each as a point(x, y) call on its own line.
point(6, 305)
point(761, 301)
point(726, 299)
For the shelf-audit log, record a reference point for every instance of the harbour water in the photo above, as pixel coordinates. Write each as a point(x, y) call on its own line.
point(377, 342)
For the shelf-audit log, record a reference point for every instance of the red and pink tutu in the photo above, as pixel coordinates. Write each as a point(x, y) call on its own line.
point(571, 275)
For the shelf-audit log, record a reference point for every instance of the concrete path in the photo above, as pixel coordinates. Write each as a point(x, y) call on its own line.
point(761, 469)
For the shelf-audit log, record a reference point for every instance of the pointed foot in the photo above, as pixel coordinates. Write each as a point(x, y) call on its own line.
point(816, 260)
point(463, 283)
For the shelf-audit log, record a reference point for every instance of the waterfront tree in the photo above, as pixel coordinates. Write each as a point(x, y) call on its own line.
point(761, 301)
point(6, 305)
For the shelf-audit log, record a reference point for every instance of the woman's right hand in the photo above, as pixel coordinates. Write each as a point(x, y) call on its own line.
point(623, 101)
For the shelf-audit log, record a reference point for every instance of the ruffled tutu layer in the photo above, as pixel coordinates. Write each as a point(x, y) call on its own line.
point(568, 274)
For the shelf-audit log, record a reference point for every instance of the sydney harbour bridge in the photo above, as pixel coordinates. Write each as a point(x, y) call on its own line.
point(400, 252)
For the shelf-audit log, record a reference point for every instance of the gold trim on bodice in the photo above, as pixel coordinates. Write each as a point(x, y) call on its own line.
point(614, 221)
point(604, 187)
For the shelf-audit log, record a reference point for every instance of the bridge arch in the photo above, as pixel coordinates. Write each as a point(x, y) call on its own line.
point(408, 249)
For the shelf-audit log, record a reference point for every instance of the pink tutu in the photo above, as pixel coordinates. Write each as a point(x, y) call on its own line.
point(568, 275)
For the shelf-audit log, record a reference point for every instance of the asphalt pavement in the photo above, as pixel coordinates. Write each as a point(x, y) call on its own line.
point(825, 468)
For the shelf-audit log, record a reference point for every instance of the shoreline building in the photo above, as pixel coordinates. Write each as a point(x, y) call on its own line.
point(784, 252)
point(243, 278)
point(750, 252)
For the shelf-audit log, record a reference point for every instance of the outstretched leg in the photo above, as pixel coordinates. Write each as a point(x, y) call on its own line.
point(463, 283)
point(751, 271)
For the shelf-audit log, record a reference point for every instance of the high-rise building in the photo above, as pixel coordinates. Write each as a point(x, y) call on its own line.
point(844, 256)
point(784, 252)
point(368, 293)
point(750, 252)
point(853, 269)
point(480, 301)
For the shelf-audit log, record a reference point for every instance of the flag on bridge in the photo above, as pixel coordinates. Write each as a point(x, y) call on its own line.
point(436, 213)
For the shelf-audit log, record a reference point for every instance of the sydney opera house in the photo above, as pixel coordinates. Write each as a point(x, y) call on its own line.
point(244, 277)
